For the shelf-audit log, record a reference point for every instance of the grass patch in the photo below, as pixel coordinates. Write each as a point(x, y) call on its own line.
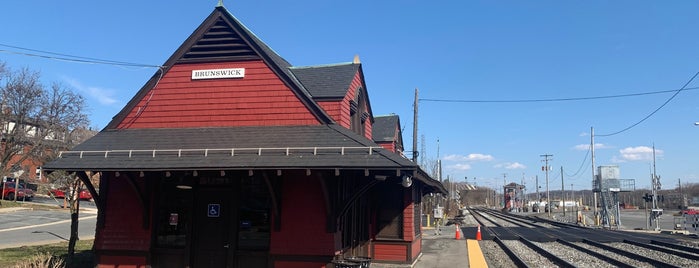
point(9, 204)
point(84, 256)
point(34, 206)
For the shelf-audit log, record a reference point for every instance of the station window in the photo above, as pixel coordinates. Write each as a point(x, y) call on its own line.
point(174, 216)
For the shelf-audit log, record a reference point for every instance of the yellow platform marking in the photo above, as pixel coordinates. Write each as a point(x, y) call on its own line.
point(475, 255)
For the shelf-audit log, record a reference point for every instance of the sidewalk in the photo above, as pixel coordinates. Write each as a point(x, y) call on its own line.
point(12, 209)
point(442, 250)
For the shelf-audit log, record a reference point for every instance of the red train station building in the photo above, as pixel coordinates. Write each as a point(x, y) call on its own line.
point(229, 156)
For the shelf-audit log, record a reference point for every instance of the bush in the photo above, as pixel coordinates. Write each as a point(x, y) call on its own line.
point(41, 260)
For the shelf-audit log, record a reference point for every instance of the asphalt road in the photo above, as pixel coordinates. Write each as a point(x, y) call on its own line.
point(26, 227)
point(637, 219)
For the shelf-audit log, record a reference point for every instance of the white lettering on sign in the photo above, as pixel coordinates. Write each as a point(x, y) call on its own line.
point(218, 73)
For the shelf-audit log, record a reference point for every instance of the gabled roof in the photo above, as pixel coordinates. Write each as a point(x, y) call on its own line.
point(327, 81)
point(385, 127)
point(221, 37)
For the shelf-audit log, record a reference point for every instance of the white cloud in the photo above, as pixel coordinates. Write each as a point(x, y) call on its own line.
point(470, 157)
point(508, 165)
point(585, 147)
point(102, 95)
point(460, 167)
point(638, 153)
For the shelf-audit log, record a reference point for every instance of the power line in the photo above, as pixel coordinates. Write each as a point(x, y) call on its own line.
point(563, 99)
point(656, 110)
point(581, 165)
point(71, 58)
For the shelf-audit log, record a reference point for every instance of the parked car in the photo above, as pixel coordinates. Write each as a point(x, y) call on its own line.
point(61, 193)
point(22, 193)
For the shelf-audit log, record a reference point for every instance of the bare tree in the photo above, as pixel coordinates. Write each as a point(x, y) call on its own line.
point(36, 124)
point(37, 121)
point(21, 104)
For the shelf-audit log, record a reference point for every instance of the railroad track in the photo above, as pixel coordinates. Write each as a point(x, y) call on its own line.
point(537, 242)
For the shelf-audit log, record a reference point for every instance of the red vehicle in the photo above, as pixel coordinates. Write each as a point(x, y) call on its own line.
point(691, 210)
point(9, 192)
point(61, 193)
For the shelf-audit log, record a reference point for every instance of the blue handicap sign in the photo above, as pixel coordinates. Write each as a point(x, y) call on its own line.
point(213, 210)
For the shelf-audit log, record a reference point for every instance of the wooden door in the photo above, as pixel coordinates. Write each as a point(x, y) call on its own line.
point(212, 232)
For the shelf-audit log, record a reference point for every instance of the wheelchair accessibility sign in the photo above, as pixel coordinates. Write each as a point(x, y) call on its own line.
point(213, 210)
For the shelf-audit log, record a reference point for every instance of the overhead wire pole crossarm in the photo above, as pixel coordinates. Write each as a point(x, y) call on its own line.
point(548, 194)
point(415, 104)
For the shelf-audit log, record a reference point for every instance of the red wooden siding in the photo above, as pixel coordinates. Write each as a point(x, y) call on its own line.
point(357, 83)
point(416, 247)
point(258, 99)
point(390, 252)
point(391, 146)
point(367, 129)
point(303, 220)
point(408, 219)
point(286, 264)
point(122, 262)
point(123, 227)
point(338, 111)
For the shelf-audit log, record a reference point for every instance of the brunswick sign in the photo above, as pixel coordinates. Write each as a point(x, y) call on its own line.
point(218, 73)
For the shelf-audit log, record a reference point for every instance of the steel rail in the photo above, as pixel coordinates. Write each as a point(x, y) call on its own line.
point(675, 246)
point(553, 258)
point(600, 256)
point(639, 257)
point(541, 251)
point(510, 253)
point(662, 249)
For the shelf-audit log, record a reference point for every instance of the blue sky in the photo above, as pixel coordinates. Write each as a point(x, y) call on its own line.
point(449, 50)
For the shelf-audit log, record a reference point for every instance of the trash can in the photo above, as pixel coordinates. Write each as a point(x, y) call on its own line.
point(345, 264)
point(363, 262)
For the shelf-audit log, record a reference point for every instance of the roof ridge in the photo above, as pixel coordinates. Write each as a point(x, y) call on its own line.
point(324, 65)
point(274, 61)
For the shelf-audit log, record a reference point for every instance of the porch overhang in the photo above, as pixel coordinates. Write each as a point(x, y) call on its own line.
point(322, 147)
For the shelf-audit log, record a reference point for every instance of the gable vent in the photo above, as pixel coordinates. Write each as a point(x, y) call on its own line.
point(220, 42)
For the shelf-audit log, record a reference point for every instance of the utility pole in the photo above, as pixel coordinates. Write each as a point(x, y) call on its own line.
point(595, 182)
point(562, 193)
point(415, 152)
point(683, 204)
point(538, 197)
point(655, 211)
point(548, 194)
point(575, 204)
point(504, 182)
point(523, 194)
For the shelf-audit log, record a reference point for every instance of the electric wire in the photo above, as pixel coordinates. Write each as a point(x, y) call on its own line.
point(80, 59)
point(584, 162)
point(562, 99)
point(655, 111)
point(72, 58)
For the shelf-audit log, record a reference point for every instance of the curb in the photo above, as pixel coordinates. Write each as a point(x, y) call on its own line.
point(13, 209)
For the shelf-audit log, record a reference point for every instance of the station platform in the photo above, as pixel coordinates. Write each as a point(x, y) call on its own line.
point(444, 250)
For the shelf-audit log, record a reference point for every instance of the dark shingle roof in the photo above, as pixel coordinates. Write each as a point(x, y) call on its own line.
point(326, 81)
point(230, 148)
point(384, 128)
